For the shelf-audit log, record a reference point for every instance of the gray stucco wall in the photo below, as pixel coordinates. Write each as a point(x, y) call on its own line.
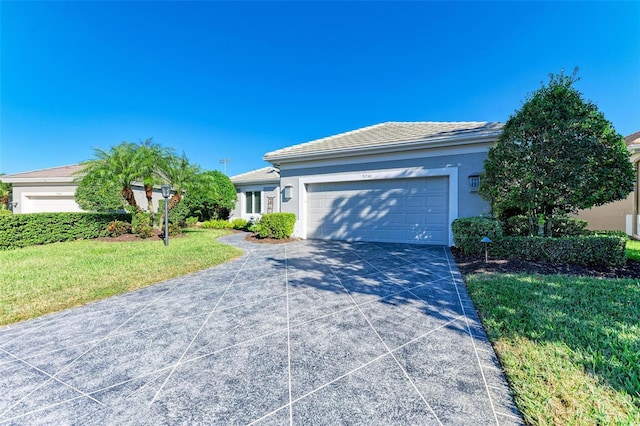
point(266, 189)
point(469, 202)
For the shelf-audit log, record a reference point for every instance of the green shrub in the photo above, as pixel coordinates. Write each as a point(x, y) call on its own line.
point(22, 230)
point(118, 227)
point(517, 226)
point(565, 226)
point(581, 250)
point(5, 212)
point(190, 222)
point(216, 224)
point(611, 233)
point(276, 225)
point(468, 231)
point(240, 224)
point(141, 225)
point(174, 229)
point(561, 226)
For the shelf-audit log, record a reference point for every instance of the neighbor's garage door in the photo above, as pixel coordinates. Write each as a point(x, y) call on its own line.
point(394, 210)
point(50, 204)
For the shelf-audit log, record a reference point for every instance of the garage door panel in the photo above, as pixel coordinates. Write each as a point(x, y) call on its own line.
point(397, 210)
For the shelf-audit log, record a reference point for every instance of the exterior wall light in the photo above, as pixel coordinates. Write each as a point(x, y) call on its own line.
point(288, 192)
point(166, 192)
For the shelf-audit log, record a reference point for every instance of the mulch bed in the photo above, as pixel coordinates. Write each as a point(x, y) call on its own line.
point(476, 264)
point(254, 239)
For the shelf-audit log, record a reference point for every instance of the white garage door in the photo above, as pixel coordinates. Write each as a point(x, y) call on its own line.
point(393, 210)
point(50, 204)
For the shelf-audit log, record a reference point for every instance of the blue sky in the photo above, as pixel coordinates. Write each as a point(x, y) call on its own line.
point(238, 79)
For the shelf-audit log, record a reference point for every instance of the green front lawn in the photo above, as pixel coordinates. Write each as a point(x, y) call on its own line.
point(633, 250)
point(570, 346)
point(41, 279)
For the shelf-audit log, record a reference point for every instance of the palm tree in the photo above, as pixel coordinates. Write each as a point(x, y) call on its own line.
point(117, 165)
point(151, 160)
point(181, 175)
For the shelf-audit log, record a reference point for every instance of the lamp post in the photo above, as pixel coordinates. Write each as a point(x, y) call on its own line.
point(166, 191)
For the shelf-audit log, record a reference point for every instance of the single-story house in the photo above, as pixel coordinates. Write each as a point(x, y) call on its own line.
point(390, 182)
point(620, 215)
point(53, 190)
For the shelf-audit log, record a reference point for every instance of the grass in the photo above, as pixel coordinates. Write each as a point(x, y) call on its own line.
point(42, 279)
point(570, 346)
point(633, 250)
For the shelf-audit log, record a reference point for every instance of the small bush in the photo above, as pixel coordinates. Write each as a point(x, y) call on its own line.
point(174, 229)
point(217, 224)
point(190, 222)
point(5, 212)
point(276, 225)
point(468, 231)
point(141, 225)
point(611, 233)
point(118, 227)
point(240, 224)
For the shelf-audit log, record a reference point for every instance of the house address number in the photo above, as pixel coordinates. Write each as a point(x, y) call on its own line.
point(367, 176)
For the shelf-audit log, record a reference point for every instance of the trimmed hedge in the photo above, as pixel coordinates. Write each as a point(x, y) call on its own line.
point(468, 231)
point(580, 250)
point(275, 225)
point(561, 226)
point(22, 230)
point(217, 224)
point(602, 250)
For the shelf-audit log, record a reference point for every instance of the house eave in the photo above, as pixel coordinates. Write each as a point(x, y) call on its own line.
point(422, 144)
point(14, 180)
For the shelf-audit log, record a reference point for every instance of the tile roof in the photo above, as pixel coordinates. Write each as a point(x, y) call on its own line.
point(633, 139)
point(60, 174)
point(388, 134)
point(263, 175)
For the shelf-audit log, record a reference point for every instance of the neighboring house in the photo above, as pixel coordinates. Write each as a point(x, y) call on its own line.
point(53, 190)
point(619, 215)
point(391, 182)
point(258, 193)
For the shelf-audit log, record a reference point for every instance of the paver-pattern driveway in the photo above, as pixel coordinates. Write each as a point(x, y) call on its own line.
point(308, 332)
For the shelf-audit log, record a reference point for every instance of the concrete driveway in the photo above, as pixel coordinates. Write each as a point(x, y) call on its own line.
point(303, 333)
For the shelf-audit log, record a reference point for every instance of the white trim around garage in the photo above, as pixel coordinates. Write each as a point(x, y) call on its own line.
point(407, 173)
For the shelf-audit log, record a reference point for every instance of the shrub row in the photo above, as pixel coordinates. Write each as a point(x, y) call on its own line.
point(22, 230)
point(239, 224)
point(561, 226)
point(275, 225)
point(604, 250)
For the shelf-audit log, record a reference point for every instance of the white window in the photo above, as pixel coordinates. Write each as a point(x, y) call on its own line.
point(252, 202)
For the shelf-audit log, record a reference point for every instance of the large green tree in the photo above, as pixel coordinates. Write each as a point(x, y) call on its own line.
point(557, 154)
point(212, 196)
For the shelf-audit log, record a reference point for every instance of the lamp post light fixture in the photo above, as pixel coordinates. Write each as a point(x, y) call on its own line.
point(166, 192)
point(486, 241)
